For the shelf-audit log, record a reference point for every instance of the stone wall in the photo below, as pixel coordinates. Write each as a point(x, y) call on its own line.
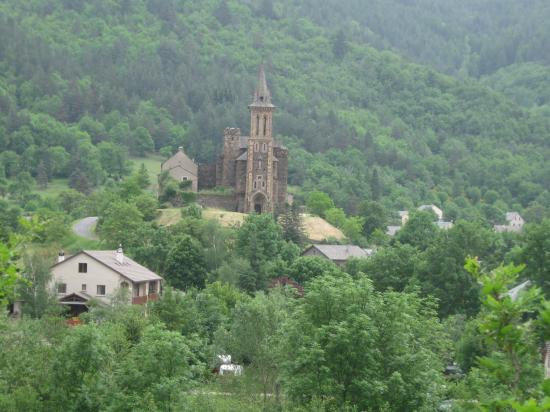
point(218, 201)
point(207, 176)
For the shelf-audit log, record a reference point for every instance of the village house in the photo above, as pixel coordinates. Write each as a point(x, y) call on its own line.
point(514, 223)
point(392, 230)
point(99, 275)
point(339, 254)
point(181, 168)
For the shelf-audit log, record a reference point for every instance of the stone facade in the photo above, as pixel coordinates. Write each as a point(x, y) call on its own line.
point(255, 166)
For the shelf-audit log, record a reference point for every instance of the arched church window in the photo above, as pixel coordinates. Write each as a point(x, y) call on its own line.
point(259, 164)
point(258, 125)
point(264, 147)
point(256, 147)
point(265, 125)
point(254, 185)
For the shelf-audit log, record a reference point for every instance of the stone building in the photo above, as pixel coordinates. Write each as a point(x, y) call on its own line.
point(255, 167)
point(182, 168)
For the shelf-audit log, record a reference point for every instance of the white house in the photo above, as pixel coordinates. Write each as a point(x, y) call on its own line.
point(99, 274)
point(433, 208)
point(515, 223)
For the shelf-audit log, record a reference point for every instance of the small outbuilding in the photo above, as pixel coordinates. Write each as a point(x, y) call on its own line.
point(339, 254)
point(181, 168)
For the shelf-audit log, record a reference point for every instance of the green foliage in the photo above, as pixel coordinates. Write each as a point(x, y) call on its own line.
point(400, 338)
point(535, 254)
point(185, 264)
point(318, 203)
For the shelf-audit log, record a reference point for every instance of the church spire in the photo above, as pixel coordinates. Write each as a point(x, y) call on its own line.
point(262, 95)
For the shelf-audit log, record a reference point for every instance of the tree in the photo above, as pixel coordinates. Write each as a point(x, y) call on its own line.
point(8, 273)
point(419, 231)
point(253, 337)
point(535, 254)
point(80, 182)
point(119, 222)
point(398, 367)
point(142, 177)
point(512, 365)
point(374, 215)
point(306, 268)
point(352, 228)
point(223, 14)
point(318, 203)
point(339, 45)
point(292, 225)
point(336, 216)
point(42, 175)
point(185, 265)
point(375, 186)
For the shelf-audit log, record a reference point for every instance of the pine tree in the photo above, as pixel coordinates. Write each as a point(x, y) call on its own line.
point(375, 185)
point(42, 175)
point(80, 182)
point(340, 46)
point(293, 225)
point(142, 177)
point(223, 14)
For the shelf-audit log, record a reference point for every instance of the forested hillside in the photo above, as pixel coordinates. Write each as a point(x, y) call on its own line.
point(84, 83)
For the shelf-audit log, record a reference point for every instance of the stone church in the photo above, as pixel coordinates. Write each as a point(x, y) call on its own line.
point(255, 167)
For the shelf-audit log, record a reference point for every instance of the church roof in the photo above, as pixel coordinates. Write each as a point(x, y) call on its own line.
point(262, 95)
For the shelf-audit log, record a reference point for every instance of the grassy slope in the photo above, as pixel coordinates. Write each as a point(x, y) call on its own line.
point(316, 228)
point(152, 164)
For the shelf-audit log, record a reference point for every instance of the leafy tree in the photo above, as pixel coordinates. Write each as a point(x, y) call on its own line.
point(222, 13)
point(305, 268)
point(185, 265)
point(142, 177)
point(419, 231)
point(374, 215)
point(339, 315)
point(336, 216)
point(535, 254)
point(318, 203)
point(118, 222)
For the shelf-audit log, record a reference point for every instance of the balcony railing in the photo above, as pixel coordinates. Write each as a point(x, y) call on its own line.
point(140, 300)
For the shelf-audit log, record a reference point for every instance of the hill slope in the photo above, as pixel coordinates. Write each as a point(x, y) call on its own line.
point(82, 82)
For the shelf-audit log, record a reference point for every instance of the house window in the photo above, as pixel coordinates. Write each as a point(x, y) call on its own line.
point(62, 288)
point(153, 287)
point(83, 287)
point(82, 268)
point(101, 290)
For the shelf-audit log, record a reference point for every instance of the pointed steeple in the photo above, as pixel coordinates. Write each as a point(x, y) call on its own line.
point(262, 95)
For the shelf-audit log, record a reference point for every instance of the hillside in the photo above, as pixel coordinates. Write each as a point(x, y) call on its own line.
point(84, 84)
point(316, 229)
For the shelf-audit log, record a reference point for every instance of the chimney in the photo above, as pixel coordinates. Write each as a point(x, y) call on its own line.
point(120, 255)
point(61, 256)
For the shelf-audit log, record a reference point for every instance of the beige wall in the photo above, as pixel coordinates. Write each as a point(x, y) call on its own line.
point(179, 173)
point(98, 274)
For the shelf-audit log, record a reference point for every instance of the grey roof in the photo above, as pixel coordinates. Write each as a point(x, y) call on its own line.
point(129, 269)
point(180, 159)
point(392, 230)
point(444, 225)
point(515, 291)
point(342, 252)
point(513, 215)
point(244, 156)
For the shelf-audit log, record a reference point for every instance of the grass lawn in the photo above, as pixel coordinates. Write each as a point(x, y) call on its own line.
point(55, 186)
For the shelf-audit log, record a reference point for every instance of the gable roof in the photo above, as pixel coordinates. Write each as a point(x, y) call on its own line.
point(180, 159)
point(342, 252)
point(130, 269)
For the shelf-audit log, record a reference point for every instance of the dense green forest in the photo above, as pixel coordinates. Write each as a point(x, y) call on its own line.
point(383, 105)
point(85, 83)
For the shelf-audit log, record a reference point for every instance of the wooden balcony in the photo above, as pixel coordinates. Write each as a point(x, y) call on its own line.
point(140, 300)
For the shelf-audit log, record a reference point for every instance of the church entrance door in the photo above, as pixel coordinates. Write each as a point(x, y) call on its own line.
point(259, 203)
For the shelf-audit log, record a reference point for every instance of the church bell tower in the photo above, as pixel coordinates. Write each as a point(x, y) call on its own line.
point(259, 195)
